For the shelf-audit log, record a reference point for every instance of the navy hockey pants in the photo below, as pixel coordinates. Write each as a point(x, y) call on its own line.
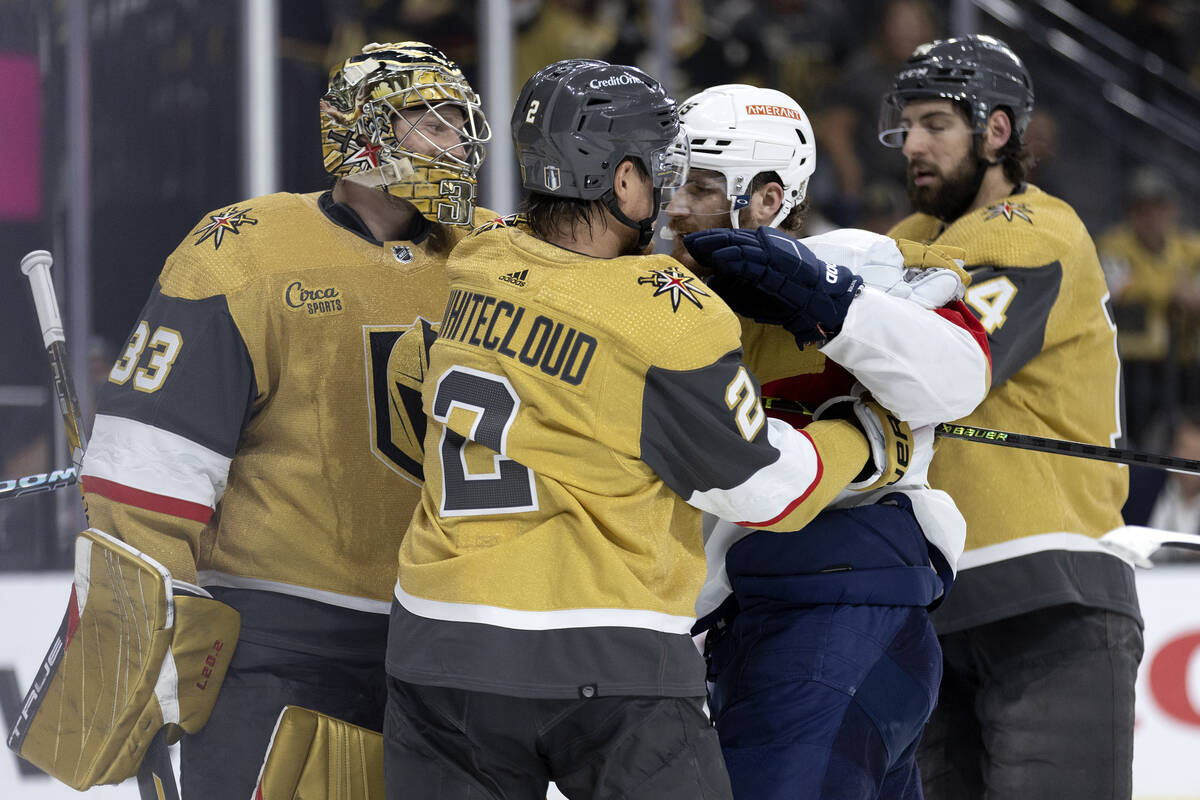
point(824, 701)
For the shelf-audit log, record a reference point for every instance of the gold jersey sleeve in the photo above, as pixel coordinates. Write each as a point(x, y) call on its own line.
point(1039, 292)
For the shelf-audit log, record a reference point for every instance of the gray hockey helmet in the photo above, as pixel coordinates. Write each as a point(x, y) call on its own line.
point(980, 72)
point(577, 119)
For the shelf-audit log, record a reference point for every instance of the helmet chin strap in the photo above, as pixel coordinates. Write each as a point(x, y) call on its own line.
point(645, 228)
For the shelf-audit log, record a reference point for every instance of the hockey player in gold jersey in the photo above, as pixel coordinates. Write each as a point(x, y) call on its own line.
point(1041, 633)
point(584, 401)
point(244, 438)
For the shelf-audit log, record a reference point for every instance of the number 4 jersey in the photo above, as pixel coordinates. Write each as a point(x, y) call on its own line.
point(581, 412)
point(244, 436)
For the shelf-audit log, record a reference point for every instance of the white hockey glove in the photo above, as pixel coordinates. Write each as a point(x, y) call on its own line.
point(929, 275)
point(896, 448)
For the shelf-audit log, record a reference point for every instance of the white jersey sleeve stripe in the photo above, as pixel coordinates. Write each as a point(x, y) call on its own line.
point(543, 620)
point(777, 488)
point(149, 459)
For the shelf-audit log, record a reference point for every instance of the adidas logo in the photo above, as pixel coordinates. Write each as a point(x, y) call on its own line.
point(516, 278)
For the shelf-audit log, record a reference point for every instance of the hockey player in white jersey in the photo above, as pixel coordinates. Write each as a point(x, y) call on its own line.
point(822, 661)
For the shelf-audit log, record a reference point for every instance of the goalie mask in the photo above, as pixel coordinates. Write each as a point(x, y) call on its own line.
point(741, 131)
point(577, 120)
point(376, 120)
point(979, 73)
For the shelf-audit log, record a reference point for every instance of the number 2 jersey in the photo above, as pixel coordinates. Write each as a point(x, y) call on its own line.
point(1033, 518)
point(244, 436)
point(581, 412)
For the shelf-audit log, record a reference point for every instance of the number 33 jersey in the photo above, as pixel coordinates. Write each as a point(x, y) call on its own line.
point(581, 412)
point(244, 435)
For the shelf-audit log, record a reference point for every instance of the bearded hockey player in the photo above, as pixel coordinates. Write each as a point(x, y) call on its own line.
point(1042, 633)
point(244, 440)
point(823, 662)
point(585, 403)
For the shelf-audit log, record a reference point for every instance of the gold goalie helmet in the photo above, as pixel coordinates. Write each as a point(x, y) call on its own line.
point(366, 139)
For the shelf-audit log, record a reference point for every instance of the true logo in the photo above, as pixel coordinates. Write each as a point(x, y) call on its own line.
point(315, 302)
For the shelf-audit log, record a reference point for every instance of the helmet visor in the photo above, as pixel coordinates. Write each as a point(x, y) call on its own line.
point(669, 165)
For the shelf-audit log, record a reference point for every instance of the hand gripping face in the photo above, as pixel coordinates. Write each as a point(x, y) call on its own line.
point(770, 277)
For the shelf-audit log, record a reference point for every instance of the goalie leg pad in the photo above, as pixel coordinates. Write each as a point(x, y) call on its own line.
point(315, 755)
point(128, 659)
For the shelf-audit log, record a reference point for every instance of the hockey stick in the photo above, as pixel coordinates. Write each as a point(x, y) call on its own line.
point(1025, 441)
point(39, 482)
point(155, 777)
point(36, 266)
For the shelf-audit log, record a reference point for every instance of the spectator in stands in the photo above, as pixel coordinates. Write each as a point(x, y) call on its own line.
point(845, 122)
point(1153, 272)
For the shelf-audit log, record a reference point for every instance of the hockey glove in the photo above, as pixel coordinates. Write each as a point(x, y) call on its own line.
point(891, 439)
point(770, 277)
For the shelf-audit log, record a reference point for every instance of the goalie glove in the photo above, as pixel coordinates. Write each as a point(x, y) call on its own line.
point(892, 441)
point(772, 278)
point(133, 655)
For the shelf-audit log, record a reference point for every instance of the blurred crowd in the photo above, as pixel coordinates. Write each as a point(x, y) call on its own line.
point(836, 57)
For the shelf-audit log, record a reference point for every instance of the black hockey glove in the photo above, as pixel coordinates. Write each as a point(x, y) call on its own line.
point(770, 277)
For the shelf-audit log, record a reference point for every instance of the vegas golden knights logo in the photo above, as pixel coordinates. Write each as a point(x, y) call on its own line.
point(392, 441)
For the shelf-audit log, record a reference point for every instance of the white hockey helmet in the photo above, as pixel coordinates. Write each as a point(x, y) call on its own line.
point(740, 131)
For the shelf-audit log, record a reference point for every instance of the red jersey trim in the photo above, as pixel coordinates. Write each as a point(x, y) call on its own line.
point(119, 493)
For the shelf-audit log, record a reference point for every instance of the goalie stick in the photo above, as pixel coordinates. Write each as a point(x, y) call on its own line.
point(1025, 441)
point(156, 777)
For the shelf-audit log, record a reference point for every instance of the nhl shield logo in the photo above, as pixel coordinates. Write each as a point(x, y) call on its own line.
point(403, 253)
point(553, 179)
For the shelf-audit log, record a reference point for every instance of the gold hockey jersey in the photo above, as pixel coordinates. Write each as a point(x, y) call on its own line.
point(581, 412)
point(244, 436)
point(1033, 518)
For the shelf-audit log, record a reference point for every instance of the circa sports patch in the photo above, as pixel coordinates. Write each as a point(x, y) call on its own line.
point(229, 220)
point(677, 284)
point(314, 299)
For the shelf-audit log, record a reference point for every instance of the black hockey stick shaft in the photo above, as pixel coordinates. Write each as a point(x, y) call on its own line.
point(39, 482)
point(36, 266)
point(156, 777)
point(1025, 441)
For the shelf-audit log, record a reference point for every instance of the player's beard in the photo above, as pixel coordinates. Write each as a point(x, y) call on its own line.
point(954, 192)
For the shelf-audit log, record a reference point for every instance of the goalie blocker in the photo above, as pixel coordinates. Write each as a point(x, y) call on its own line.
point(133, 655)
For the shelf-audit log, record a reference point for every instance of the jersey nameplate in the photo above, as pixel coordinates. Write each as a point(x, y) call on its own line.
point(480, 320)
